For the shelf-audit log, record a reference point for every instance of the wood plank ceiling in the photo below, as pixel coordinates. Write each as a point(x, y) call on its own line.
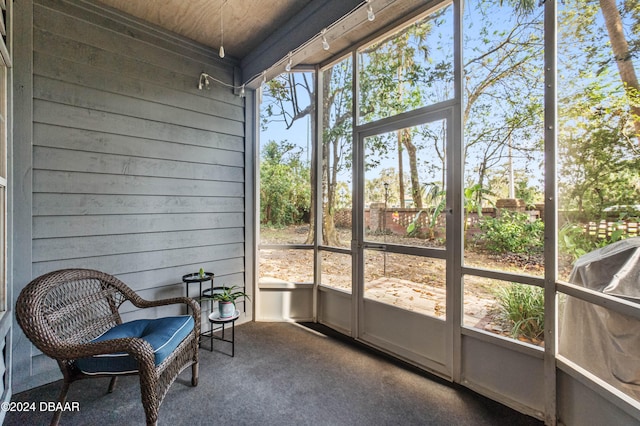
point(246, 23)
point(260, 33)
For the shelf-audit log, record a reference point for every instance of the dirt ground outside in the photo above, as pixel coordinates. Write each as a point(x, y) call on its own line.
point(411, 282)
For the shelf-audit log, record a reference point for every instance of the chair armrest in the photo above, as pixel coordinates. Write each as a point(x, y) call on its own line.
point(192, 303)
point(142, 303)
point(140, 349)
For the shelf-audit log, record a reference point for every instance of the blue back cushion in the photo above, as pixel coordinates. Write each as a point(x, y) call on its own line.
point(163, 334)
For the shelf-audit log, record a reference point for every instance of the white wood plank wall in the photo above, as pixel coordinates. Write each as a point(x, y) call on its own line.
point(135, 171)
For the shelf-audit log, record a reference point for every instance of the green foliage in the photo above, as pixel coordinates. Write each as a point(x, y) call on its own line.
point(526, 193)
point(285, 193)
point(599, 160)
point(437, 199)
point(408, 70)
point(501, 55)
point(395, 74)
point(600, 168)
point(522, 306)
point(375, 190)
point(573, 240)
point(414, 227)
point(521, 6)
point(474, 195)
point(512, 232)
point(227, 294)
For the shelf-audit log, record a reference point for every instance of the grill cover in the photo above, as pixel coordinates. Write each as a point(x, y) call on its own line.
point(600, 340)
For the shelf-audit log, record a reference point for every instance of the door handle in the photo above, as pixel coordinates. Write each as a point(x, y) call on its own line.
point(380, 247)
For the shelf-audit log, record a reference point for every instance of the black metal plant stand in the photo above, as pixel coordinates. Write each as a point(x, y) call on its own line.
point(200, 279)
point(214, 318)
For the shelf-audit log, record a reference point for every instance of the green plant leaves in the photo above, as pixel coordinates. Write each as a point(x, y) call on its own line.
point(512, 232)
point(522, 306)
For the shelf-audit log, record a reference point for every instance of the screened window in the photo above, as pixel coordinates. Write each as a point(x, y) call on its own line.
point(599, 187)
point(410, 69)
point(286, 190)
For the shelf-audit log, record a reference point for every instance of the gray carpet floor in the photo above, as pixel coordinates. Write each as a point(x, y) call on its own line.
point(283, 374)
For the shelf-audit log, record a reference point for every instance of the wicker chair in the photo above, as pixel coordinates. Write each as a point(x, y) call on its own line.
point(65, 313)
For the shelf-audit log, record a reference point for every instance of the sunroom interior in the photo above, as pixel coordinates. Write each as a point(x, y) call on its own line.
point(146, 140)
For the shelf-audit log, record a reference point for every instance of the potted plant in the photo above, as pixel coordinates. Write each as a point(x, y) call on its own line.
point(226, 298)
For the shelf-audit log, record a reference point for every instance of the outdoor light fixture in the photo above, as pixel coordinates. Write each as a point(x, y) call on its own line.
point(325, 43)
point(221, 52)
point(287, 68)
point(370, 15)
point(204, 81)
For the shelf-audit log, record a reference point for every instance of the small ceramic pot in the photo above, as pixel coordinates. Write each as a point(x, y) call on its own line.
point(226, 309)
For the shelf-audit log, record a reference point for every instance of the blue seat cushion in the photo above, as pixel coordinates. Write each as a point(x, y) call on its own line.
point(163, 334)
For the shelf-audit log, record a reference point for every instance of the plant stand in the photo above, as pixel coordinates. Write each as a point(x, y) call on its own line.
point(196, 278)
point(214, 318)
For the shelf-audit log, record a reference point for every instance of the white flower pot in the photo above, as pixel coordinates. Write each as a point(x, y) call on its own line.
point(227, 309)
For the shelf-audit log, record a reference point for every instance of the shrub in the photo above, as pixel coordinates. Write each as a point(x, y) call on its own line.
point(285, 192)
point(574, 240)
point(522, 306)
point(512, 232)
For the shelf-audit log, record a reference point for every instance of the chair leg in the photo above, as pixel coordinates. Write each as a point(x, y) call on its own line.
point(112, 384)
point(61, 399)
point(194, 374)
point(149, 383)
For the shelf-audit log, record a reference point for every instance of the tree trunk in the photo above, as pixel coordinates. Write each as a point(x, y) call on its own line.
point(482, 173)
point(621, 53)
point(314, 196)
point(413, 167)
point(329, 234)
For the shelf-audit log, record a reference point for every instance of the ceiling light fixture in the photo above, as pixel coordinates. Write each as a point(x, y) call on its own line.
point(221, 52)
point(370, 15)
point(203, 82)
point(287, 68)
point(325, 43)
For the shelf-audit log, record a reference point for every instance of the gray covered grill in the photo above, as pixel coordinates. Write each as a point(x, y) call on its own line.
point(600, 340)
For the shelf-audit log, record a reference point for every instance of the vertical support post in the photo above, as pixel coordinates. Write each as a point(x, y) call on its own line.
point(20, 184)
point(357, 209)
point(251, 200)
point(316, 169)
point(455, 203)
point(550, 211)
point(6, 324)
